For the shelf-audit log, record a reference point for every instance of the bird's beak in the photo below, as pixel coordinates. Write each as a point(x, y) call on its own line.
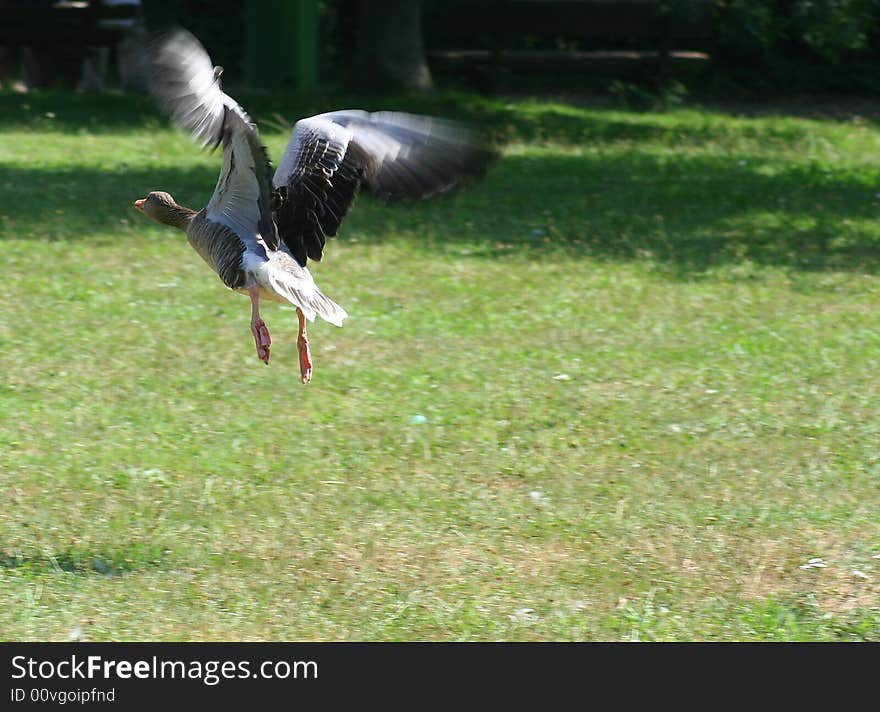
point(139, 204)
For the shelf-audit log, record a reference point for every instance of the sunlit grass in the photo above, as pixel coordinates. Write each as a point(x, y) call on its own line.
point(626, 387)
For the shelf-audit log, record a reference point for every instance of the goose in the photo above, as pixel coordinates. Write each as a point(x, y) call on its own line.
point(259, 229)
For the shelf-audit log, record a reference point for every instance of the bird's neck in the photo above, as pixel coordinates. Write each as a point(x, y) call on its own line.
point(178, 216)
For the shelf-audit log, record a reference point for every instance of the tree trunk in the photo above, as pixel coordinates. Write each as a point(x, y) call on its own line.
point(391, 53)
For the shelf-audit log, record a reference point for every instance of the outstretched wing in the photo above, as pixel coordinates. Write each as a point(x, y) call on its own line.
point(394, 155)
point(188, 87)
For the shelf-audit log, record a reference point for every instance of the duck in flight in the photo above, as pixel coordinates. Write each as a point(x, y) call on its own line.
point(259, 230)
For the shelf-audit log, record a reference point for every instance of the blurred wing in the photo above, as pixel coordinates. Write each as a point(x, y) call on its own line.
point(243, 196)
point(316, 181)
point(394, 155)
point(188, 87)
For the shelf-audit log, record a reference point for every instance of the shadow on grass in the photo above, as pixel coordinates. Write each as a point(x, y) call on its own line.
point(563, 121)
point(87, 203)
point(689, 212)
point(81, 563)
point(69, 112)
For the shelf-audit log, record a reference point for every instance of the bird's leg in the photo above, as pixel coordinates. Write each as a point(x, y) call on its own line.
point(258, 326)
point(302, 344)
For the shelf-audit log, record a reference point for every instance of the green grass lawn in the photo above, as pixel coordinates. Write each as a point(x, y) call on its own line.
point(624, 388)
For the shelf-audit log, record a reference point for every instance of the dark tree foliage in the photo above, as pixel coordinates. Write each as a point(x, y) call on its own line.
point(390, 51)
point(798, 44)
point(757, 45)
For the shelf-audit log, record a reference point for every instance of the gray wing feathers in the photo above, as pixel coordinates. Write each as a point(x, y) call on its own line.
point(243, 196)
point(394, 155)
point(188, 87)
point(314, 143)
point(401, 155)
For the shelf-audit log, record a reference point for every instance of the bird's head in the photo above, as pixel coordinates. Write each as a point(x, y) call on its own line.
point(161, 207)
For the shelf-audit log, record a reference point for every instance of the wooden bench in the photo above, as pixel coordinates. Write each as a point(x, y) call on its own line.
point(57, 36)
point(624, 39)
point(82, 23)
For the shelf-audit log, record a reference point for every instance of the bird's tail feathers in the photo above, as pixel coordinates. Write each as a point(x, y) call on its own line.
point(311, 301)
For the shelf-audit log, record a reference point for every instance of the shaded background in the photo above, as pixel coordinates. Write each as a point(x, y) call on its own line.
point(630, 47)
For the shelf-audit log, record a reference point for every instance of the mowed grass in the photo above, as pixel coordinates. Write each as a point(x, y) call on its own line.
point(624, 388)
